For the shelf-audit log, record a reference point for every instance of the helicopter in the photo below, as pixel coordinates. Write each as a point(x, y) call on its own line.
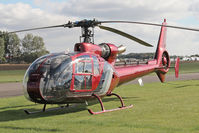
point(89, 73)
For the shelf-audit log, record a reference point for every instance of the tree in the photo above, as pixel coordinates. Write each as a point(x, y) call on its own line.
point(12, 45)
point(32, 47)
point(1, 47)
point(27, 44)
point(4, 36)
point(2, 50)
point(13, 48)
point(39, 46)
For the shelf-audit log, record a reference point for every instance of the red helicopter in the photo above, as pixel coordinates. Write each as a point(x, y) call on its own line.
point(89, 72)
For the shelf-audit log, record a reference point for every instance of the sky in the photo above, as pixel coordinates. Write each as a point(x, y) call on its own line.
point(17, 15)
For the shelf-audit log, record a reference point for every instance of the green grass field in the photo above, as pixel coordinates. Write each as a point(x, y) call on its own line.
point(11, 76)
point(171, 107)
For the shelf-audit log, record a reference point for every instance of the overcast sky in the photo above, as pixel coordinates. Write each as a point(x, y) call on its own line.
point(15, 15)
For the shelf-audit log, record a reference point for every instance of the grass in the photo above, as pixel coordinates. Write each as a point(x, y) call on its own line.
point(158, 108)
point(11, 76)
point(187, 67)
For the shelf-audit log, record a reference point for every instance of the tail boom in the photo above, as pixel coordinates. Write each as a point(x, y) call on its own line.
point(128, 73)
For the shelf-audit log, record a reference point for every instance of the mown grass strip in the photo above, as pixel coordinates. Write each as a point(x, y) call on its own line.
point(12, 76)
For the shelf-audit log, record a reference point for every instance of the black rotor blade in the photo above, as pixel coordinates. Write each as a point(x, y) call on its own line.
point(125, 35)
point(153, 24)
point(39, 28)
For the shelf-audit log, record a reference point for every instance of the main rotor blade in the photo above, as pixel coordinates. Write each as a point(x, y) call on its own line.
point(125, 35)
point(39, 28)
point(153, 24)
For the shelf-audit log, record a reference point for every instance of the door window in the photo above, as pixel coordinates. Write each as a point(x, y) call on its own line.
point(83, 73)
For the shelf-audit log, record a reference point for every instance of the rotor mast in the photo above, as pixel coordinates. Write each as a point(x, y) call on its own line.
point(87, 34)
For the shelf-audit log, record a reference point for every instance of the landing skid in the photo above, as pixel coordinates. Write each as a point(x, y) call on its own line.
point(102, 106)
point(45, 110)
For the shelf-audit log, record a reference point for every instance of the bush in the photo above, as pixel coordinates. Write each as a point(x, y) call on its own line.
point(2, 60)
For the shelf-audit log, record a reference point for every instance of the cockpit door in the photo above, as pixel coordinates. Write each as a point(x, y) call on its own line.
point(82, 74)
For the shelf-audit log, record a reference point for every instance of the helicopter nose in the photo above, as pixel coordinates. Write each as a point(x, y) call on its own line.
point(46, 79)
point(57, 76)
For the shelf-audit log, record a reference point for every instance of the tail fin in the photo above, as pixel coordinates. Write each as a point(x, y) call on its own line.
point(161, 55)
point(177, 67)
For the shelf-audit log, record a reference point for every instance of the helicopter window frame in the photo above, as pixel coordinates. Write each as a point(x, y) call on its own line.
point(96, 66)
point(86, 85)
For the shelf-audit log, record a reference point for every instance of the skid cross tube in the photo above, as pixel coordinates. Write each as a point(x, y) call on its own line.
point(102, 106)
point(45, 110)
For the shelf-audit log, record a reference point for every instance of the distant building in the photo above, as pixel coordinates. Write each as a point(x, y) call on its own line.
point(194, 58)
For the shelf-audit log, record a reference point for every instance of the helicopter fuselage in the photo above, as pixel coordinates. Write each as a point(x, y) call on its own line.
point(62, 78)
